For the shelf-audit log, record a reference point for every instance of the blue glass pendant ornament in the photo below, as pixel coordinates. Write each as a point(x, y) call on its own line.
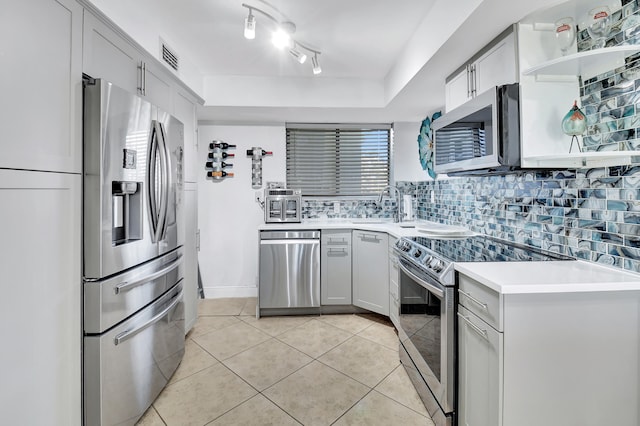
point(574, 124)
point(425, 145)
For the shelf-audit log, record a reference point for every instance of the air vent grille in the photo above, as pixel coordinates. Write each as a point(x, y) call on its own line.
point(169, 56)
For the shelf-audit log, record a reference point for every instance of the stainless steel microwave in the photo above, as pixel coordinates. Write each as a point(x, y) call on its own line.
point(282, 205)
point(481, 136)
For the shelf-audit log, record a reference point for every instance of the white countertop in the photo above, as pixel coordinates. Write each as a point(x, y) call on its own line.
point(394, 229)
point(504, 277)
point(571, 276)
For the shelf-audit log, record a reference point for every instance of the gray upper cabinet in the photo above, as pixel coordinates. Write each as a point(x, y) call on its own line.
point(108, 55)
point(494, 65)
point(40, 82)
point(371, 271)
point(184, 109)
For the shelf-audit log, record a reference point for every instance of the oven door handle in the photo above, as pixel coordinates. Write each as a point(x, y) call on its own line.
point(474, 327)
point(437, 291)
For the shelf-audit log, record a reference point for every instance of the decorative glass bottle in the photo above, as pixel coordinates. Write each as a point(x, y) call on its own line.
point(574, 124)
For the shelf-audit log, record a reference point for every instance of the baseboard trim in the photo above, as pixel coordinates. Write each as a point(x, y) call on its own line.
point(223, 292)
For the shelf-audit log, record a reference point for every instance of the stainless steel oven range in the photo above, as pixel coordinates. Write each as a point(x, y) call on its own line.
point(427, 325)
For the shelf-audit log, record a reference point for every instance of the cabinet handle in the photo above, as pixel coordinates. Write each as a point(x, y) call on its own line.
point(474, 300)
point(144, 78)
point(337, 252)
point(474, 327)
point(473, 81)
point(468, 81)
point(142, 88)
point(370, 237)
point(337, 241)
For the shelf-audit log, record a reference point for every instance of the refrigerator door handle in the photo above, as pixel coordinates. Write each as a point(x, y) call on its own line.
point(164, 187)
point(152, 175)
point(168, 178)
point(125, 286)
point(128, 334)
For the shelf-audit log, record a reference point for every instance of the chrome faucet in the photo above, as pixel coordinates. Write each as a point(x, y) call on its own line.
point(399, 215)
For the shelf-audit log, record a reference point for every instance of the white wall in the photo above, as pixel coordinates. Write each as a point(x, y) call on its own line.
point(406, 162)
point(228, 214)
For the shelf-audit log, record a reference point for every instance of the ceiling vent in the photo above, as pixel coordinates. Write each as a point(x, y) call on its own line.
point(169, 55)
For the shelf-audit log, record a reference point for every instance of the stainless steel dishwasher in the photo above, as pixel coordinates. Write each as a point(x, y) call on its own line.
point(289, 269)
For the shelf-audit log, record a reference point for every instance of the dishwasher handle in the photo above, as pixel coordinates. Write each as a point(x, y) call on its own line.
point(289, 235)
point(288, 242)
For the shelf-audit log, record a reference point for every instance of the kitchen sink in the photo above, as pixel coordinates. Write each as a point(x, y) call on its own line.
point(369, 222)
point(406, 225)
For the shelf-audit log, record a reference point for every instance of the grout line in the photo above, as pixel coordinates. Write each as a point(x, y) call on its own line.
point(312, 359)
point(354, 404)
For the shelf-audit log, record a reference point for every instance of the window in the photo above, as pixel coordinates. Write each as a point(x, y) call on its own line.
point(342, 160)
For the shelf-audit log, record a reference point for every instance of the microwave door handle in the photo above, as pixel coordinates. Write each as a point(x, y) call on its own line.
point(151, 183)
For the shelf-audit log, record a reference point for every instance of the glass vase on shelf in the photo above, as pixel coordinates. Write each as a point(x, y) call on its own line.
point(565, 34)
point(574, 124)
point(598, 25)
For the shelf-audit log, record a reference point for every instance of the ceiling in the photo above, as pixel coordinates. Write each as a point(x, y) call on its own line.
point(382, 60)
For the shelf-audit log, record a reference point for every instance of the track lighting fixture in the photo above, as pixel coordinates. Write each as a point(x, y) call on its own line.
point(250, 26)
point(282, 37)
point(316, 65)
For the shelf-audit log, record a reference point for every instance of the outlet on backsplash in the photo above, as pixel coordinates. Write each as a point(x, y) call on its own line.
point(336, 207)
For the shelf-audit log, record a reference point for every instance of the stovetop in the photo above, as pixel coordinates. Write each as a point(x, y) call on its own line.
point(436, 256)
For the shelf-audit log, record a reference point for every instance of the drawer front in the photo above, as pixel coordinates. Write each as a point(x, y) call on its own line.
point(394, 304)
point(481, 300)
point(338, 238)
point(127, 367)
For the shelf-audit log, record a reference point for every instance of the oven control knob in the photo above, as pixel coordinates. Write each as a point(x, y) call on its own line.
point(417, 253)
point(438, 265)
point(404, 246)
point(427, 260)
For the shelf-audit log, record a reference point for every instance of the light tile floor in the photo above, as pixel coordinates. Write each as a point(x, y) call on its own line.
point(311, 370)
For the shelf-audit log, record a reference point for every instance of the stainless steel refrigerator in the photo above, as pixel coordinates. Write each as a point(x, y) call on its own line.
point(133, 234)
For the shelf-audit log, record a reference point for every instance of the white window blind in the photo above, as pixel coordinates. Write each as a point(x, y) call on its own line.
point(338, 161)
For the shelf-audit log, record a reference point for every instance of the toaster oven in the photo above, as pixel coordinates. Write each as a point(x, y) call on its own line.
point(282, 205)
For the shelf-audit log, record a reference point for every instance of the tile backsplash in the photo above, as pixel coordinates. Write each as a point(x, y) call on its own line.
point(591, 214)
point(611, 101)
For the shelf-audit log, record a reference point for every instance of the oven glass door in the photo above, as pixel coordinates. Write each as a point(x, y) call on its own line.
point(427, 320)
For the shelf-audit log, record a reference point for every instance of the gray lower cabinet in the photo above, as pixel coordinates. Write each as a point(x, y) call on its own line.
point(573, 353)
point(394, 290)
point(479, 370)
point(335, 267)
point(371, 271)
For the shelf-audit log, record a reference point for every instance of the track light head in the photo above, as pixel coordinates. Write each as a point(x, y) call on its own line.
point(300, 57)
point(316, 65)
point(280, 38)
point(250, 26)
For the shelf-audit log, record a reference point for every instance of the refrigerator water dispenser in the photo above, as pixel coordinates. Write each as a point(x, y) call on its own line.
point(126, 212)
